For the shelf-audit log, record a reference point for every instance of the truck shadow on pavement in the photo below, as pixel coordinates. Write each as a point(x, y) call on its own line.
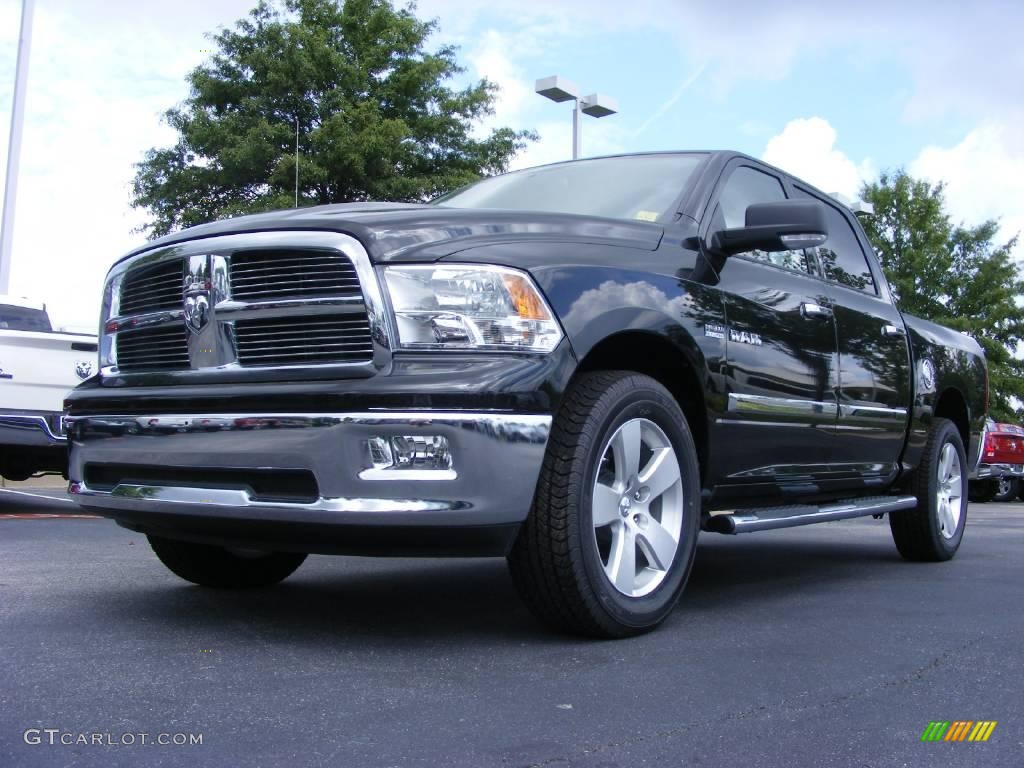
point(406, 602)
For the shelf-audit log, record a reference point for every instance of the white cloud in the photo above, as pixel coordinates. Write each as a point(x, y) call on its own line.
point(489, 59)
point(806, 148)
point(984, 176)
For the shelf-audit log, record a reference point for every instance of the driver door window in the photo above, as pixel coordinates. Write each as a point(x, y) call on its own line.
point(747, 186)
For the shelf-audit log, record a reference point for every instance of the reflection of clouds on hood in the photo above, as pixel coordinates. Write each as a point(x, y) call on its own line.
point(612, 295)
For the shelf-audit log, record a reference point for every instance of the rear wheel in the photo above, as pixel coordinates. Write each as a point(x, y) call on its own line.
point(212, 566)
point(1006, 489)
point(608, 545)
point(934, 529)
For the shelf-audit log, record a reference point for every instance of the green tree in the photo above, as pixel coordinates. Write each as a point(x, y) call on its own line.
point(954, 275)
point(376, 117)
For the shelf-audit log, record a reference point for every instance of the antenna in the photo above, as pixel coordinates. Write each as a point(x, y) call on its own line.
point(296, 162)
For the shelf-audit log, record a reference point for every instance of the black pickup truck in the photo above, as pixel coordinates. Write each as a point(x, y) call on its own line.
point(578, 366)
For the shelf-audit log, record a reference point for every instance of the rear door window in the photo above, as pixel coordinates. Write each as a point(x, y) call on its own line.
point(842, 258)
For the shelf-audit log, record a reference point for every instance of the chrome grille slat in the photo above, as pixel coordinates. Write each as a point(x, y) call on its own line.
point(284, 341)
point(292, 273)
point(309, 277)
point(353, 346)
point(285, 265)
point(152, 349)
point(152, 288)
point(247, 294)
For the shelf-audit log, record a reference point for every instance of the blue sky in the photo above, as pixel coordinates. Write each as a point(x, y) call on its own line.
point(832, 92)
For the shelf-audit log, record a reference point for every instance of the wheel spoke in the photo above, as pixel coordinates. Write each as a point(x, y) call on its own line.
point(621, 566)
point(626, 448)
point(606, 505)
point(944, 463)
point(945, 515)
point(657, 544)
point(661, 472)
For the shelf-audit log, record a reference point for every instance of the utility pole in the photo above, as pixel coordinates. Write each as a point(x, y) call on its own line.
point(296, 162)
point(14, 145)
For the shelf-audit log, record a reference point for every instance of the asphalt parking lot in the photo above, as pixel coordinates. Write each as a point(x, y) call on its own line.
point(814, 646)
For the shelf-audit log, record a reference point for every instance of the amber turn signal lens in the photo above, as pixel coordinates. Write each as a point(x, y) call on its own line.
point(527, 302)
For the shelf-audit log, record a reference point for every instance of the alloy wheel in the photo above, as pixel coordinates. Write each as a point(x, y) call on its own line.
point(637, 507)
point(950, 490)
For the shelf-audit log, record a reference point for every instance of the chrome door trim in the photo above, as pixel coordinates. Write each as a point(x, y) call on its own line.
point(779, 406)
point(868, 418)
point(848, 409)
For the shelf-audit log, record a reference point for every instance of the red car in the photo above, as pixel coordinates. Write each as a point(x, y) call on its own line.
point(1002, 464)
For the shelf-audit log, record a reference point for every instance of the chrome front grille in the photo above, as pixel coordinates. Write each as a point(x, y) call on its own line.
point(152, 288)
point(256, 306)
point(303, 341)
point(269, 275)
point(153, 349)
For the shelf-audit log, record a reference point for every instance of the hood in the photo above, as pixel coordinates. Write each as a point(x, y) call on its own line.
point(395, 232)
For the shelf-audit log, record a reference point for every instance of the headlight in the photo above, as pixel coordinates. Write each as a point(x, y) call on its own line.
point(469, 307)
point(111, 308)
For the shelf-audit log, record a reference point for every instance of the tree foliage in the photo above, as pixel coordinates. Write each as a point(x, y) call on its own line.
point(955, 275)
point(376, 116)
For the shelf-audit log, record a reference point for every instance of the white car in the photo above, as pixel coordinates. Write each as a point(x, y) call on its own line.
point(38, 367)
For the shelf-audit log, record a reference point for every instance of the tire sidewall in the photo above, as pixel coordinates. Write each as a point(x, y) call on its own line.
point(638, 400)
point(948, 434)
point(1011, 489)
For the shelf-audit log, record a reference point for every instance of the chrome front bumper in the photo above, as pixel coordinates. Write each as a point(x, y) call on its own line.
point(36, 429)
point(496, 460)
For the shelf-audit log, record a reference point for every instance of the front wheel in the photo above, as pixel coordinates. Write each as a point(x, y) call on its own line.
point(212, 566)
point(933, 530)
point(610, 539)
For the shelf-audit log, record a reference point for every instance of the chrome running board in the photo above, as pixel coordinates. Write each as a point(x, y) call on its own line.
point(769, 518)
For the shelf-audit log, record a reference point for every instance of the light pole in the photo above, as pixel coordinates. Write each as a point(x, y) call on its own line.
point(558, 89)
point(14, 145)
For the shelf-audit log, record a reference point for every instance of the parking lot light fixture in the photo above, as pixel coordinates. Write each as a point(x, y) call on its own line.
point(558, 89)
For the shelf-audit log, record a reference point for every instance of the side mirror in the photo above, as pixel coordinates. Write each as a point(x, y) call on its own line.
point(782, 226)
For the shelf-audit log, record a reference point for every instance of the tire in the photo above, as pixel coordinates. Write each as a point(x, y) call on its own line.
point(211, 566)
point(933, 530)
point(983, 491)
point(1007, 489)
point(579, 537)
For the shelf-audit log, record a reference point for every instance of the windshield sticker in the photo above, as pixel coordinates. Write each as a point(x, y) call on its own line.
point(645, 216)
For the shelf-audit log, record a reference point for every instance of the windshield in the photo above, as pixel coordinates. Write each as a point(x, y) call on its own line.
point(640, 187)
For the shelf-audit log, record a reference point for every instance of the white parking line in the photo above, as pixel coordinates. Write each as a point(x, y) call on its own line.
point(35, 495)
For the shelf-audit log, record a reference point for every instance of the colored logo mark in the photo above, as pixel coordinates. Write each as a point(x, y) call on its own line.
point(958, 730)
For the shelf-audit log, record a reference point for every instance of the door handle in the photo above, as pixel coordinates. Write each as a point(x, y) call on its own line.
point(809, 309)
point(892, 330)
